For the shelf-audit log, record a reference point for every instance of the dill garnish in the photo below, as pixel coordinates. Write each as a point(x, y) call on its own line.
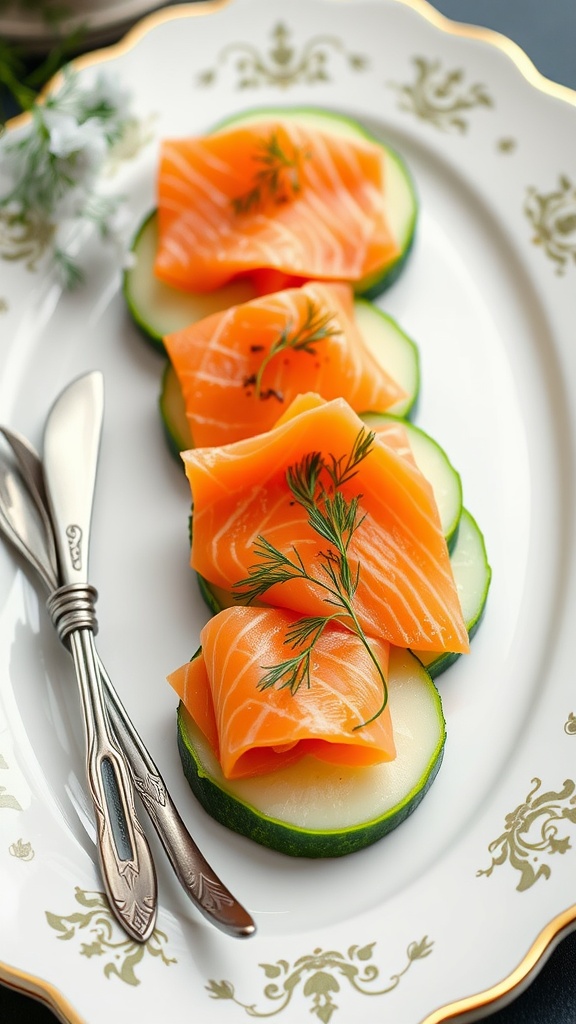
point(53, 167)
point(316, 327)
point(278, 179)
point(336, 519)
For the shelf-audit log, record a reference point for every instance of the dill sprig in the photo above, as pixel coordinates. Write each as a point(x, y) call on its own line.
point(278, 179)
point(54, 164)
point(316, 327)
point(336, 519)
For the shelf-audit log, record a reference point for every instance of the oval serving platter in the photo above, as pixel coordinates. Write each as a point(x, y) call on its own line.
point(457, 907)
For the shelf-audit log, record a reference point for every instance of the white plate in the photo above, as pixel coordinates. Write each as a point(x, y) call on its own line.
point(457, 906)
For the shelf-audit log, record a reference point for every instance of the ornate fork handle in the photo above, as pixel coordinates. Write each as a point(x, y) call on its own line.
point(193, 871)
point(124, 860)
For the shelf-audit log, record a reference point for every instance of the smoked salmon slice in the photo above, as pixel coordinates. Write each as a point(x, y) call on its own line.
point(253, 731)
point(275, 196)
point(239, 369)
point(405, 592)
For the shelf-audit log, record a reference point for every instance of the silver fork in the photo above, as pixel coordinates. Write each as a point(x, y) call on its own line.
point(25, 522)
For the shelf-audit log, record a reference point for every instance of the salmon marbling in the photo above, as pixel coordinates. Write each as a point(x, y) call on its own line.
point(406, 592)
point(253, 731)
point(273, 198)
point(315, 346)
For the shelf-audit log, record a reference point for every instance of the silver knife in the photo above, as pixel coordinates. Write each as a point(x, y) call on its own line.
point(71, 445)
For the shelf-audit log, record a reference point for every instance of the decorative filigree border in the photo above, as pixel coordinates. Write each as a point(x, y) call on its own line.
point(282, 65)
point(553, 217)
point(97, 925)
point(19, 848)
point(441, 97)
point(318, 975)
point(532, 831)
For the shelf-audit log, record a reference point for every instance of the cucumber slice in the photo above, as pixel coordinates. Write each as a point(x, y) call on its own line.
point(435, 465)
point(173, 413)
point(472, 573)
point(159, 309)
point(313, 809)
point(393, 349)
point(400, 194)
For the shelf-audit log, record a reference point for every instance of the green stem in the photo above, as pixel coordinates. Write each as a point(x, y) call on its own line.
point(336, 520)
point(359, 632)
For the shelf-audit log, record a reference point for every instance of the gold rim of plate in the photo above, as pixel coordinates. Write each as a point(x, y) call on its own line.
point(563, 923)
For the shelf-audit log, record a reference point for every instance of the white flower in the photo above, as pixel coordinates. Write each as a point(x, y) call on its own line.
point(50, 169)
point(84, 145)
point(108, 94)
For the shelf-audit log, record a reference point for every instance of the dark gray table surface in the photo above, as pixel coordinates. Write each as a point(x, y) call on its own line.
point(546, 31)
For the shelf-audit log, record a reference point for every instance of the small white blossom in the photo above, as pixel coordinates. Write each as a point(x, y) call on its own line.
point(67, 138)
point(107, 93)
point(52, 166)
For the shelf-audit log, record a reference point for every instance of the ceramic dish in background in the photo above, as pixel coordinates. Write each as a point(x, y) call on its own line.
point(99, 21)
point(457, 907)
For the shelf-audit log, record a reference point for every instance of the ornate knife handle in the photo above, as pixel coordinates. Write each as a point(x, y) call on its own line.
point(125, 859)
point(198, 879)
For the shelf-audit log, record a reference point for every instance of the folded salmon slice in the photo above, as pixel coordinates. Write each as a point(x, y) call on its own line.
point(317, 347)
point(406, 591)
point(276, 196)
point(253, 731)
